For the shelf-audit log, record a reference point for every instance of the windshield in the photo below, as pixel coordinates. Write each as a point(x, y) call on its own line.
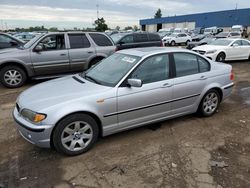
point(236, 29)
point(207, 40)
point(32, 41)
point(208, 30)
point(221, 42)
point(224, 34)
point(112, 69)
point(117, 37)
point(164, 33)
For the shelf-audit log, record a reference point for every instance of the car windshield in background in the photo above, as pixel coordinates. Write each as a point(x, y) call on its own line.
point(221, 42)
point(224, 34)
point(32, 41)
point(112, 69)
point(117, 37)
point(207, 40)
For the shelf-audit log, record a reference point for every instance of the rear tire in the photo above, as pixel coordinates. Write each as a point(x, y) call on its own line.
point(75, 134)
point(12, 76)
point(187, 42)
point(209, 103)
point(221, 57)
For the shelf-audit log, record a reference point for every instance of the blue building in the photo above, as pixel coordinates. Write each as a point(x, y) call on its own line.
point(225, 19)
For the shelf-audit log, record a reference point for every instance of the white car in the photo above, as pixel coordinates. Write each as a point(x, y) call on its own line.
point(176, 38)
point(225, 49)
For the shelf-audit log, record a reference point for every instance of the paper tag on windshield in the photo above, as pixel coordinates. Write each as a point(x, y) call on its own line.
point(129, 59)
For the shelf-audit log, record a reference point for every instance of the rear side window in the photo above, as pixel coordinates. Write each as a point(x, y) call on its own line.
point(245, 43)
point(185, 64)
point(152, 37)
point(4, 38)
point(141, 37)
point(203, 65)
point(78, 41)
point(127, 39)
point(100, 40)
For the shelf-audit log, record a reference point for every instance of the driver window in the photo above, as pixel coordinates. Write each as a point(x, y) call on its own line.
point(52, 42)
point(5, 39)
point(153, 69)
point(237, 42)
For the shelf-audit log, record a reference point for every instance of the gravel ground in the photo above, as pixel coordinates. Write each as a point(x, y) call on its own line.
point(185, 152)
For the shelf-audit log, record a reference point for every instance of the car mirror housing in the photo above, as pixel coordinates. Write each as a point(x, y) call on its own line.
point(134, 82)
point(235, 45)
point(13, 43)
point(38, 48)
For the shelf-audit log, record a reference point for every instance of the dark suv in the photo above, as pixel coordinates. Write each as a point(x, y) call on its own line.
point(7, 41)
point(52, 55)
point(136, 40)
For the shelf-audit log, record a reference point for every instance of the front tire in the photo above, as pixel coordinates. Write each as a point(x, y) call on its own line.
point(75, 134)
point(209, 103)
point(173, 43)
point(12, 76)
point(221, 57)
point(187, 42)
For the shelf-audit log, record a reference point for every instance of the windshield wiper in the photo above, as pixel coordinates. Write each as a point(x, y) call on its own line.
point(90, 78)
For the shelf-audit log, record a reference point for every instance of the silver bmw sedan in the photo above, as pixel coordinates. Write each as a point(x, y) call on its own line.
point(130, 88)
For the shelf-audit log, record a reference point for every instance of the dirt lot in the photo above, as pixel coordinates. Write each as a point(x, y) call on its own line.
point(179, 153)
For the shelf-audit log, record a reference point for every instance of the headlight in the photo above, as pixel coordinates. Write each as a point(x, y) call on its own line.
point(211, 51)
point(33, 116)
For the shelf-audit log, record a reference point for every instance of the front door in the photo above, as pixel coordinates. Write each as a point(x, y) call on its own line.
point(54, 57)
point(139, 105)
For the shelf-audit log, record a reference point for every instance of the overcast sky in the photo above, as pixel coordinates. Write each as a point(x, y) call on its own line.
point(82, 13)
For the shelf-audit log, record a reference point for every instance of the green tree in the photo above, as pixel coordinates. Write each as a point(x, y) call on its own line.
point(53, 29)
point(158, 13)
point(135, 28)
point(100, 25)
point(117, 28)
point(128, 28)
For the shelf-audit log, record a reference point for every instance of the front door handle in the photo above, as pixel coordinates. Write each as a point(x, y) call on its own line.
point(167, 85)
point(63, 54)
point(90, 52)
point(203, 78)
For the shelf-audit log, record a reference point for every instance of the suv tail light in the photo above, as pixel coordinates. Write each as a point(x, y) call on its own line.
point(232, 75)
point(162, 45)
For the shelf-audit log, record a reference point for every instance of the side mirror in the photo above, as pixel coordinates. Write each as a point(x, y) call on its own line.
point(121, 43)
point(38, 48)
point(134, 82)
point(13, 43)
point(235, 45)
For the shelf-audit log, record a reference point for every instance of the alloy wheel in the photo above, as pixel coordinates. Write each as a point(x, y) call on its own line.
point(210, 103)
point(76, 136)
point(13, 77)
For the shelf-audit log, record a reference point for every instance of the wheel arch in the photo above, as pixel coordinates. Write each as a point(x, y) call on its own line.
point(14, 63)
point(94, 116)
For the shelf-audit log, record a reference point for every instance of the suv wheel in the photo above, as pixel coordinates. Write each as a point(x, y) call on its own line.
point(209, 103)
point(173, 43)
point(187, 42)
point(12, 76)
point(75, 134)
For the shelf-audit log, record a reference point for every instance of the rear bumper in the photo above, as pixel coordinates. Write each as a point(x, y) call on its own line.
point(227, 90)
point(35, 134)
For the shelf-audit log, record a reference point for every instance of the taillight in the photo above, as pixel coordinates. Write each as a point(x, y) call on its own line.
point(232, 75)
point(162, 45)
point(116, 49)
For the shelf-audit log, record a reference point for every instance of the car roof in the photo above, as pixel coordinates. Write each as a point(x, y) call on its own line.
point(140, 52)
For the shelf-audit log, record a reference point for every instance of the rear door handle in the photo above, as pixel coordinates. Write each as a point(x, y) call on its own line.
point(203, 78)
point(63, 54)
point(167, 85)
point(90, 52)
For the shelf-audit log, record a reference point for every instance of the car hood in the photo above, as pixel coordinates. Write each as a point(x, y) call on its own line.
point(58, 91)
point(208, 47)
point(167, 38)
point(9, 50)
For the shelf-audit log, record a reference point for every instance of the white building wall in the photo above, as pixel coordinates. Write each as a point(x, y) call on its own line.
point(189, 25)
point(151, 28)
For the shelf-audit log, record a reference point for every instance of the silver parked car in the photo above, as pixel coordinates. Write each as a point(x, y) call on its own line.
point(128, 89)
point(53, 55)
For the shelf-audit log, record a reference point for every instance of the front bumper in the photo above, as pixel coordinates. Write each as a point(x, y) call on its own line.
point(36, 134)
point(211, 56)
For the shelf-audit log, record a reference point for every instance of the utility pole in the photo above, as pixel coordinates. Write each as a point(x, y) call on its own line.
point(97, 10)
point(236, 6)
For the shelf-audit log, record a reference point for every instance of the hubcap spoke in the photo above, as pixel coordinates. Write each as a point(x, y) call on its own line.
point(76, 136)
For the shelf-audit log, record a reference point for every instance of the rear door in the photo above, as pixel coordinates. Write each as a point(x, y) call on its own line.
point(54, 58)
point(80, 51)
point(235, 52)
point(152, 100)
point(191, 78)
point(245, 49)
point(141, 40)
